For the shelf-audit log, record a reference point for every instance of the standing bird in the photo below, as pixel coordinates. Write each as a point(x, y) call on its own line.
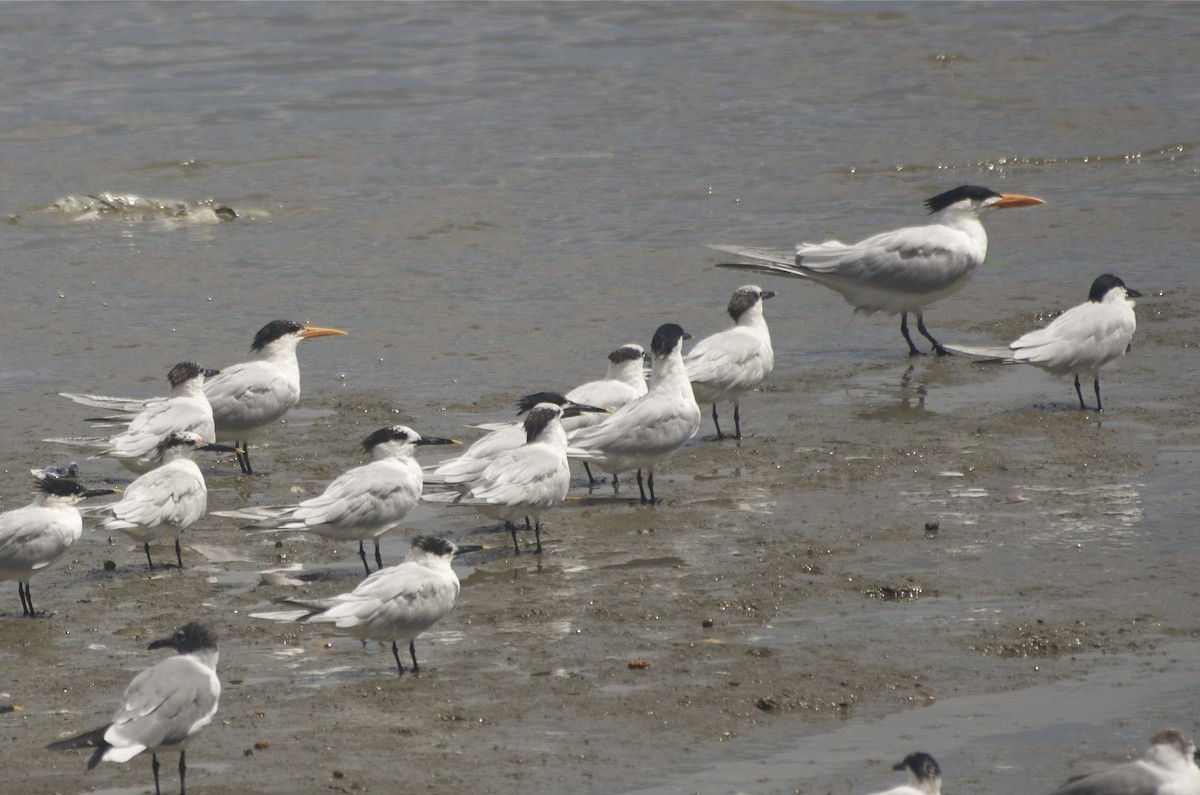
point(624, 381)
point(500, 438)
point(1167, 768)
point(650, 428)
point(163, 707)
point(362, 503)
point(730, 363)
point(36, 536)
point(246, 397)
point(924, 776)
point(249, 396)
point(166, 500)
point(187, 409)
point(397, 603)
point(901, 271)
point(1079, 341)
point(523, 481)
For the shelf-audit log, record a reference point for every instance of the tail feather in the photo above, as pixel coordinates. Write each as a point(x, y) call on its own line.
point(89, 739)
point(443, 496)
point(986, 355)
point(267, 517)
point(80, 441)
point(303, 611)
point(771, 261)
point(121, 405)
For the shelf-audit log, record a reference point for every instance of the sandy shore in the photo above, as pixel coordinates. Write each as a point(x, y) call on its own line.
point(852, 558)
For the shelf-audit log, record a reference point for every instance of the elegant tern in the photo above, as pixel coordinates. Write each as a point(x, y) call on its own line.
point(1078, 342)
point(187, 409)
point(249, 396)
point(163, 707)
point(362, 503)
point(1167, 768)
point(166, 500)
point(396, 603)
point(902, 271)
point(34, 537)
point(650, 428)
point(524, 481)
point(730, 363)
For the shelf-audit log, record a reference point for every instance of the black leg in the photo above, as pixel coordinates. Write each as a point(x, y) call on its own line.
point(1079, 392)
point(396, 654)
point(641, 487)
point(378, 557)
point(588, 470)
point(146, 546)
point(412, 652)
point(178, 554)
point(26, 599)
point(716, 422)
point(537, 533)
point(650, 485)
point(154, 767)
point(737, 421)
point(1099, 406)
point(512, 528)
point(182, 772)
point(244, 457)
point(912, 349)
point(362, 553)
point(937, 346)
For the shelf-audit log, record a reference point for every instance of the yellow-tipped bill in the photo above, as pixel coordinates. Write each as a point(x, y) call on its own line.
point(317, 331)
point(1017, 200)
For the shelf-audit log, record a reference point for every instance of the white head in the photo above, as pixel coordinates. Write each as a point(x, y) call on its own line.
point(397, 441)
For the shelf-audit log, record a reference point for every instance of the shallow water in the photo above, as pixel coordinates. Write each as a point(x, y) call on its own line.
point(489, 198)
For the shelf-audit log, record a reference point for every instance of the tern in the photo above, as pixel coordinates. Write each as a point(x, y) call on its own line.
point(501, 437)
point(166, 500)
point(36, 536)
point(163, 707)
point(397, 603)
point(624, 381)
point(1078, 342)
point(902, 271)
point(1167, 768)
point(730, 363)
point(248, 397)
point(362, 503)
point(523, 481)
point(187, 409)
point(650, 428)
point(245, 397)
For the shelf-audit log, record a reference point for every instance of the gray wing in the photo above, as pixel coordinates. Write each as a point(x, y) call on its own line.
point(163, 706)
point(1133, 778)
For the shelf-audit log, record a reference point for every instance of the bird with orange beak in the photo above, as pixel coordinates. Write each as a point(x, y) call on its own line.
point(901, 271)
point(249, 396)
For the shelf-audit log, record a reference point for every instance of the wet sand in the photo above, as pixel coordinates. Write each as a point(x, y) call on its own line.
point(915, 531)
